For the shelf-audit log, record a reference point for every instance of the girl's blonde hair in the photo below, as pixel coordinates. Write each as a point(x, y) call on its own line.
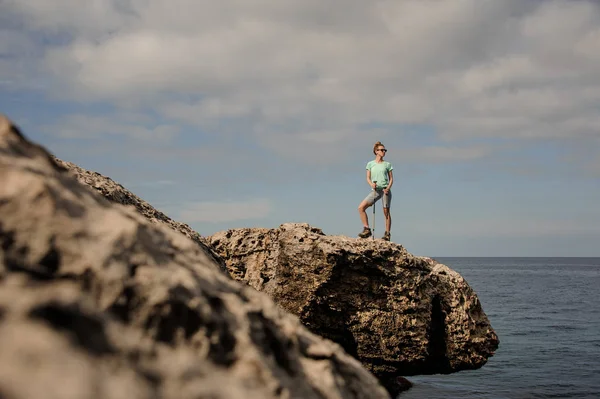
point(375, 147)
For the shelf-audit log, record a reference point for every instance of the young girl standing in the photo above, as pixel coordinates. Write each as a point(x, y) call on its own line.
point(380, 178)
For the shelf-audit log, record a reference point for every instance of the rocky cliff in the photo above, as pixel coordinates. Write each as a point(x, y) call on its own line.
point(397, 313)
point(98, 302)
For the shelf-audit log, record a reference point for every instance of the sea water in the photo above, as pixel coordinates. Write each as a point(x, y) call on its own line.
point(546, 312)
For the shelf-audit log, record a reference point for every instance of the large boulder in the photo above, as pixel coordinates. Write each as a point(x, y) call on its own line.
point(98, 302)
point(399, 314)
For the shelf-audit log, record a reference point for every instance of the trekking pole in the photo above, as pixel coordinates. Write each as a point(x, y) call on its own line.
point(373, 232)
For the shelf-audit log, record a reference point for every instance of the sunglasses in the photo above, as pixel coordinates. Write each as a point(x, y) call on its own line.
point(382, 149)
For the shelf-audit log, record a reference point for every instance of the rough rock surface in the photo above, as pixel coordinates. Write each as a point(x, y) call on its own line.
point(97, 302)
point(399, 314)
point(115, 192)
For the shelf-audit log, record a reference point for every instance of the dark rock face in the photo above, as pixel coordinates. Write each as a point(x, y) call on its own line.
point(98, 302)
point(399, 314)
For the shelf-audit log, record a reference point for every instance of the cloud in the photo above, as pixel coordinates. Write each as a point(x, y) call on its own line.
point(306, 75)
point(91, 20)
point(201, 112)
point(225, 211)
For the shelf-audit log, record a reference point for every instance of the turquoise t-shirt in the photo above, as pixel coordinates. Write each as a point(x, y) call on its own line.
point(379, 173)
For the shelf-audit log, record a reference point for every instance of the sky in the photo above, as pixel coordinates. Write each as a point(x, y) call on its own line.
point(253, 113)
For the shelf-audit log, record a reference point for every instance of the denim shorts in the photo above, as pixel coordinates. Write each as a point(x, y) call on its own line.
point(375, 195)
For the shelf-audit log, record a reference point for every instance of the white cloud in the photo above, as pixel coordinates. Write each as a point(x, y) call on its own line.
point(205, 112)
point(589, 46)
point(90, 19)
point(556, 22)
point(509, 70)
point(225, 211)
point(305, 74)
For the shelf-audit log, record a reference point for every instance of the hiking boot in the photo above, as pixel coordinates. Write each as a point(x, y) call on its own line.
point(365, 233)
point(386, 236)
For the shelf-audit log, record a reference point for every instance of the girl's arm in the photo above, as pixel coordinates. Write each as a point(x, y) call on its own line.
point(391, 177)
point(369, 179)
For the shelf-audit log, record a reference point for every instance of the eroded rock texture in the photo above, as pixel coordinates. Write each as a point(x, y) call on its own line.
point(398, 314)
point(98, 302)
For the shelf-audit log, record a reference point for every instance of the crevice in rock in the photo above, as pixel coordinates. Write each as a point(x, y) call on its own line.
point(174, 320)
point(8, 238)
point(321, 319)
point(87, 280)
point(222, 350)
point(330, 310)
point(171, 317)
point(44, 269)
point(85, 330)
point(266, 336)
point(436, 348)
point(124, 305)
point(51, 260)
